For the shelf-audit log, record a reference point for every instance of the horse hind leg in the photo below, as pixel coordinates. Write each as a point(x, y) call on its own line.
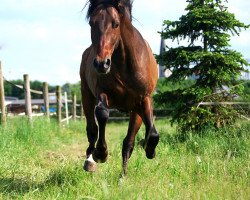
point(151, 143)
point(100, 154)
point(151, 136)
point(135, 122)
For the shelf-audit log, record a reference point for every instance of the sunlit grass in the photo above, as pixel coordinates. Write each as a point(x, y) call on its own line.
point(45, 162)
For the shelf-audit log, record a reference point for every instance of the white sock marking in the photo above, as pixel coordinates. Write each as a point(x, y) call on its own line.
point(90, 159)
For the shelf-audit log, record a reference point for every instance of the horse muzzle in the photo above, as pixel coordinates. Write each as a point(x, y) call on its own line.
point(102, 67)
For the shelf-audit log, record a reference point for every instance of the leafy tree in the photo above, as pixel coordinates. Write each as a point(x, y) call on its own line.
point(11, 90)
point(168, 86)
point(206, 28)
point(246, 96)
point(73, 89)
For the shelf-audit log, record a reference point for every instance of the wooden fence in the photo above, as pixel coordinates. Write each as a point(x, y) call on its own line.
point(114, 114)
point(45, 93)
point(2, 104)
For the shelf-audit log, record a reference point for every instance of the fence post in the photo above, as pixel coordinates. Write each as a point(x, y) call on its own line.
point(2, 99)
point(66, 107)
point(46, 99)
point(28, 108)
point(59, 104)
point(74, 107)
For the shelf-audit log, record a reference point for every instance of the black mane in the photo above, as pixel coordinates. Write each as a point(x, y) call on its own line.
point(120, 5)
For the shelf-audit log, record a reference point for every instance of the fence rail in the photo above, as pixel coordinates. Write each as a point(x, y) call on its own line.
point(46, 102)
point(114, 115)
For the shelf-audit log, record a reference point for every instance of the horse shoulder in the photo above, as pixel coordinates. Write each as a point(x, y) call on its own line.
point(87, 72)
point(83, 65)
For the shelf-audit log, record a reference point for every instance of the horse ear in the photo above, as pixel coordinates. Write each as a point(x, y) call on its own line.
point(125, 6)
point(94, 2)
point(124, 3)
point(121, 2)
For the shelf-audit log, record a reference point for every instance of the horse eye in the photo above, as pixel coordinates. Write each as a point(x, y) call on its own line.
point(115, 25)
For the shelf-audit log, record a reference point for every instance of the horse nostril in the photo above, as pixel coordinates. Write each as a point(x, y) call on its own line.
point(108, 62)
point(95, 63)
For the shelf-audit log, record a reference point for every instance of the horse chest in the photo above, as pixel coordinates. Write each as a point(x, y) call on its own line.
point(122, 95)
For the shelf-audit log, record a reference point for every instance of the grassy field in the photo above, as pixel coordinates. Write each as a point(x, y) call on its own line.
point(45, 162)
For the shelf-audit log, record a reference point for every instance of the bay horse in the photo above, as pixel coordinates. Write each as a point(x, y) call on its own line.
point(119, 71)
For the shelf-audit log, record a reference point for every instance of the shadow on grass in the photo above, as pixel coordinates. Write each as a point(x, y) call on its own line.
point(16, 187)
point(12, 185)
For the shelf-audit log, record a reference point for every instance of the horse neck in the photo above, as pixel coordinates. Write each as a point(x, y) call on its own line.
point(129, 43)
point(134, 65)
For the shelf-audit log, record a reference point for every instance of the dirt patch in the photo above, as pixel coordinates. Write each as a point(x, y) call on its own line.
point(66, 152)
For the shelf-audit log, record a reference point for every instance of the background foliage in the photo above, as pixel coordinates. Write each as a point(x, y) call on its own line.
point(12, 91)
point(205, 33)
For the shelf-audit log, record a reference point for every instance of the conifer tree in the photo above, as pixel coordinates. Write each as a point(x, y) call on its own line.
point(206, 28)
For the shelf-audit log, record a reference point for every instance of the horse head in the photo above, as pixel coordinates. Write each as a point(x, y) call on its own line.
point(104, 20)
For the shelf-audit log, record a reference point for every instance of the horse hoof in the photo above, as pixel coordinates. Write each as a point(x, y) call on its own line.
point(89, 165)
point(150, 153)
point(151, 145)
point(100, 156)
point(122, 179)
point(100, 160)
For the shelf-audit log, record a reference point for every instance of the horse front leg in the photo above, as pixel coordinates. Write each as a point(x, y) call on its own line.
point(135, 122)
point(89, 163)
point(100, 154)
point(88, 102)
point(151, 136)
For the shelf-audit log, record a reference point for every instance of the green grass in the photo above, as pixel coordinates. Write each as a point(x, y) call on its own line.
point(45, 162)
